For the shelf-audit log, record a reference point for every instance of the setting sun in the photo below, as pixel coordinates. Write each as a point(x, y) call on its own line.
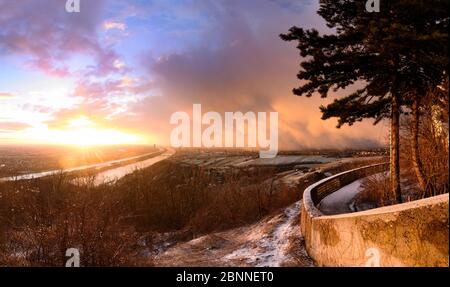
point(81, 122)
point(93, 136)
point(82, 131)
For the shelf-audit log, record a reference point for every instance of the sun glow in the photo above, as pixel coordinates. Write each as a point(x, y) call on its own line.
point(81, 122)
point(82, 131)
point(93, 136)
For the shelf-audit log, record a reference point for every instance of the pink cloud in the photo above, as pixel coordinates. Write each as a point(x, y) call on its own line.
point(49, 35)
point(6, 96)
point(13, 126)
point(110, 25)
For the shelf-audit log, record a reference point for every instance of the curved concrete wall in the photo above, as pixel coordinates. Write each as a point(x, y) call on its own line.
point(409, 234)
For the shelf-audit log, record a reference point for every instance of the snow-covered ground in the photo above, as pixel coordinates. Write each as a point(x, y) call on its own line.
point(341, 201)
point(273, 241)
point(288, 160)
point(271, 250)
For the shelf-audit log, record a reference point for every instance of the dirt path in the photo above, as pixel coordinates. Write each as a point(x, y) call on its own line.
point(273, 241)
point(342, 200)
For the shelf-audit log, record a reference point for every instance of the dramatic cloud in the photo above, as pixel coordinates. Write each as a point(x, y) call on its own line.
point(134, 63)
point(47, 36)
point(244, 66)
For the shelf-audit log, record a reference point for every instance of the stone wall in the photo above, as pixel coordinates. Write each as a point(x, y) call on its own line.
point(409, 234)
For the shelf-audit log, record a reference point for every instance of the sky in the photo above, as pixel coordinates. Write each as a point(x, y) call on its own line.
point(116, 71)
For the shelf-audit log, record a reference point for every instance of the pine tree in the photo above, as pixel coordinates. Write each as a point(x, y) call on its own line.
point(390, 54)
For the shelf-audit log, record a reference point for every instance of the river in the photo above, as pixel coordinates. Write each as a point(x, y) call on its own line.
point(107, 175)
point(119, 172)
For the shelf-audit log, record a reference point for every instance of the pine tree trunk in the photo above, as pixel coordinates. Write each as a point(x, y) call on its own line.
point(417, 163)
point(395, 149)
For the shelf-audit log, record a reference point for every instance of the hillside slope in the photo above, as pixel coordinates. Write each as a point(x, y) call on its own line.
point(274, 241)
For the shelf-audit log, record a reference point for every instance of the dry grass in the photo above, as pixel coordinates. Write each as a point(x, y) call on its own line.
point(375, 192)
point(40, 219)
point(434, 157)
point(120, 224)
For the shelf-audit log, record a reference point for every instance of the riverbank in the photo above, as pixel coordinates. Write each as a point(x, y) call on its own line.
point(87, 170)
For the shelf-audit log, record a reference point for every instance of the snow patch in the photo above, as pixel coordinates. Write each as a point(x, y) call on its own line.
point(270, 250)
